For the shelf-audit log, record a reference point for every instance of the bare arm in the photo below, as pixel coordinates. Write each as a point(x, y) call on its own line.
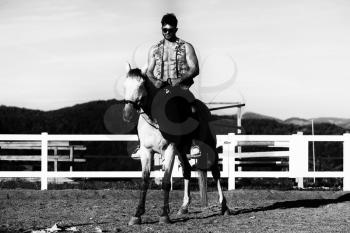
point(151, 63)
point(192, 62)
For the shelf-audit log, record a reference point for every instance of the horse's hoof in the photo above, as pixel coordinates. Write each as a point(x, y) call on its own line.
point(135, 221)
point(224, 208)
point(226, 212)
point(164, 220)
point(182, 210)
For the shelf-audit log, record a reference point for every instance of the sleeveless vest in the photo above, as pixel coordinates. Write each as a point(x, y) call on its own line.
point(180, 58)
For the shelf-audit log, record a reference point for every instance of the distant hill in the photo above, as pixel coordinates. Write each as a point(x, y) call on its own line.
point(252, 115)
point(105, 117)
point(96, 117)
point(297, 121)
point(340, 122)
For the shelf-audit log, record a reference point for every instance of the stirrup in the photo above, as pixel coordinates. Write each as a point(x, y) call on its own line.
point(195, 152)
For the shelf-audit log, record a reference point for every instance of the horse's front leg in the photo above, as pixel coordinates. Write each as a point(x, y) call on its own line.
point(222, 200)
point(169, 156)
point(146, 157)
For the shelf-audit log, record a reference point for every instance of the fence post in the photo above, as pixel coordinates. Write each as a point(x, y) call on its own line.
point(231, 161)
point(346, 162)
point(71, 158)
point(298, 158)
point(44, 165)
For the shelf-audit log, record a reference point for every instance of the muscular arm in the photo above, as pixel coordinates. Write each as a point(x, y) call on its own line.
point(150, 63)
point(192, 62)
point(150, 68)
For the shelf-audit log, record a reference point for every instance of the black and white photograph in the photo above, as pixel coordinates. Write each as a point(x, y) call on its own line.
point(183, 116)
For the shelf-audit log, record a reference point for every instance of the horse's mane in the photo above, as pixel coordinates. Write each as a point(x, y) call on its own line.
point(137, 73)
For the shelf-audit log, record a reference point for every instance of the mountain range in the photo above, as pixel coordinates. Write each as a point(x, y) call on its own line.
point(341, 122)
point(104, 117)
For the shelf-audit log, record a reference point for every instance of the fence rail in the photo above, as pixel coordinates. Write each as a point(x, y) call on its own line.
point(298, 157)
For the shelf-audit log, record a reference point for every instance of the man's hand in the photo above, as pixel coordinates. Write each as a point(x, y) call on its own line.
point(175, 81)
point(156, 82)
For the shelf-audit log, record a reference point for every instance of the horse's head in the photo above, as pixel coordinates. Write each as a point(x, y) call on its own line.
point(134, 92)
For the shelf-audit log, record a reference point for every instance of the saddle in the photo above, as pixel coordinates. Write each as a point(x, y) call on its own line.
point(187, 123)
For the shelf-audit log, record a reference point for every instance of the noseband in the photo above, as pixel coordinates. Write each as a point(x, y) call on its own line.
point(136, 104)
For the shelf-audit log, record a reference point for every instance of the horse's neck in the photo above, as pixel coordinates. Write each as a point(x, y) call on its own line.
point(151, 92)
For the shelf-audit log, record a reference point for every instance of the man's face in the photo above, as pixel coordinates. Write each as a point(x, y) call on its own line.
point(169, 32)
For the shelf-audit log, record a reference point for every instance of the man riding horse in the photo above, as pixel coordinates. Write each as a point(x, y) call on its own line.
point(167, 122)
point(172, 66)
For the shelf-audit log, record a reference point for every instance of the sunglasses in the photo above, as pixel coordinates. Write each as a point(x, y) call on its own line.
point(170, 30)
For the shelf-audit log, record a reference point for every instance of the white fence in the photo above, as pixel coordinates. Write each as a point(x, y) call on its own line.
point(298, 157)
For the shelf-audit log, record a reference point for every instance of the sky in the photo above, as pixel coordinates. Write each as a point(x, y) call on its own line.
point(281, 58)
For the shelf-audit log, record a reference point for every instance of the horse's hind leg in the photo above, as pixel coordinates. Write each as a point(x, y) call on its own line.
point(169, 156)
point(146, 157)
point(186, 172)
point(222, 200)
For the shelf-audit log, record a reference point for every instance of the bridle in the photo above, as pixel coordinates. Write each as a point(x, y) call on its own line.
point(136, 104)
point(139, 105)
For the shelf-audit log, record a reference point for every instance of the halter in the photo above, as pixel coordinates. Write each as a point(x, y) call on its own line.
point(141, 106)
point(136, 104)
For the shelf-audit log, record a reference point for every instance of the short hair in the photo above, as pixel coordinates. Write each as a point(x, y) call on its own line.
point(170, 19)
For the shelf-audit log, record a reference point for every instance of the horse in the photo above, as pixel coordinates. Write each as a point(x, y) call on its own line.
point(140, 95)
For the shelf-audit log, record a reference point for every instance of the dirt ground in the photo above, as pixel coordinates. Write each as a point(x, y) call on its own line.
point(110, 211)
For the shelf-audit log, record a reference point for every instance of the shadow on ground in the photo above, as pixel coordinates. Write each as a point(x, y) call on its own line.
point(306, 203)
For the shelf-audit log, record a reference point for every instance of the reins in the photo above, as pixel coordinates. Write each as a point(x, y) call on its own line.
point(143, 114)
point(142, 107)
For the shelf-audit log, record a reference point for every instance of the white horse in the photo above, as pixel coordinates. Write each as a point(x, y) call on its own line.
point(140, 95)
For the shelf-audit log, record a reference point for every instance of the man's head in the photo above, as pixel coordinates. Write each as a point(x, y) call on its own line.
point(169, 26)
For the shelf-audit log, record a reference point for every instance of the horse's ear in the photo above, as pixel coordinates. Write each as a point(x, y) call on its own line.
point(127, 67)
